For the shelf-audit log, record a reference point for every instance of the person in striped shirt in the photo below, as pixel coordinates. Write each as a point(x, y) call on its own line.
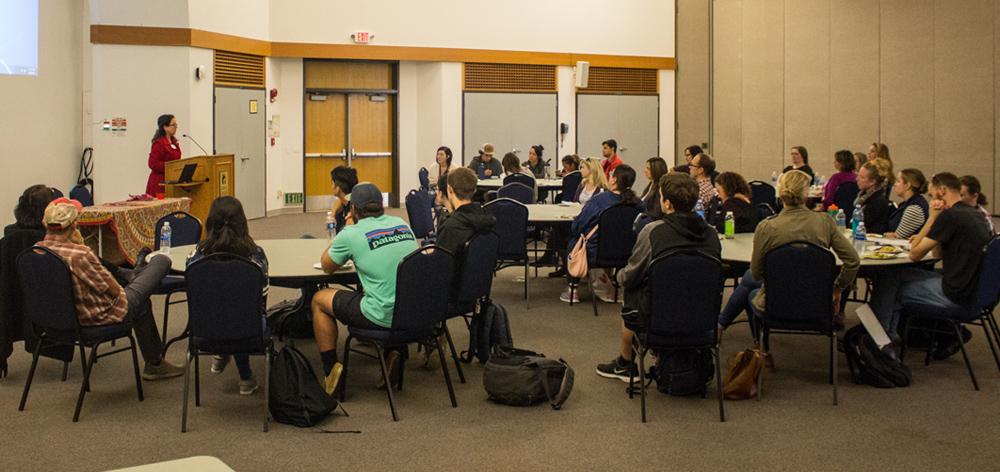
point(909, 218)
point(99, 298)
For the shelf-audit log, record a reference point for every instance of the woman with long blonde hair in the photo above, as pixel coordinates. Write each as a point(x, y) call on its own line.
point(593, 181)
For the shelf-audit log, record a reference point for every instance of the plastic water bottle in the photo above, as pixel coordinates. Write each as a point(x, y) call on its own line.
point(857, 217)
point(730, 228)
point(859, 238)
point(331, 225)
point(165, 234)
point(482, 171)
point(774, 178)
point(841, 221)
point(699, 208)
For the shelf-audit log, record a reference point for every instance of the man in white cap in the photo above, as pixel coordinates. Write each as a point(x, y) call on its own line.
point(376, 242)
point(98, 297)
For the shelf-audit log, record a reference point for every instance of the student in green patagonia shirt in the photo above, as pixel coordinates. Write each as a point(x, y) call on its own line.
point(376, 243)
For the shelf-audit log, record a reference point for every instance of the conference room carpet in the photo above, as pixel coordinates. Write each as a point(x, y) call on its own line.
point(940, 422)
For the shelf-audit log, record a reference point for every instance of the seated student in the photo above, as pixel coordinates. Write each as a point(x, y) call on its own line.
point(512, 166)
point(466, 218)
point(620, 192)
point(680, 228)
point(843, 161)
point(689, 153)
point(609, 149)
point(484, 165)
point(872, 198)
point(794, 223)
point(954, 232)
point(972, 195)
point(800, 161)
point(440, 167)
point(912, 213)
point(376, 242)
point(570, 163)
point(702, 168)
point(593, 181)
point(535, 165)
point(655, 169)
point(30, 209)
point(98, 297)
point(735, 195)
point(344, 179)
point(226, 231)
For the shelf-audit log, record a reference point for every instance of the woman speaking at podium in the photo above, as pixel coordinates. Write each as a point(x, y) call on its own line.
point(165, 148)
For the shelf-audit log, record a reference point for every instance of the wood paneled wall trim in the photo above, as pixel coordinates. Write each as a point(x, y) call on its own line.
point(157, 36)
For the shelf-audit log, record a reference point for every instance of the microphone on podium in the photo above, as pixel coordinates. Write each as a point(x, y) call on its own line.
point(196, 144)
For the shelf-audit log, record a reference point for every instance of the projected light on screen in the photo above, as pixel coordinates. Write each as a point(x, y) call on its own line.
point(18, 37)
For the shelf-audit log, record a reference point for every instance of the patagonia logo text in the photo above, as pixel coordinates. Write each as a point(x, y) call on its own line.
point(383, 237)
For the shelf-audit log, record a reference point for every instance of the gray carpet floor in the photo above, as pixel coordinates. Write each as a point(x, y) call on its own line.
point(939, 422)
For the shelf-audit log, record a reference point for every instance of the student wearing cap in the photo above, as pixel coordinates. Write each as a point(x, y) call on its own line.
point(99, 298)
point(376, 242)
point(485, 165)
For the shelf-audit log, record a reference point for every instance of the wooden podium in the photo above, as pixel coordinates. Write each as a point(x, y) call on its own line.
point(214, 177)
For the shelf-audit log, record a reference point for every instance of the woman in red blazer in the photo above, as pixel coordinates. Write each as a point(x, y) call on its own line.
point(165, 148)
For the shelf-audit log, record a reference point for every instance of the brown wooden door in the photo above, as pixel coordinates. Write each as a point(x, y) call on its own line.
point(349, 113)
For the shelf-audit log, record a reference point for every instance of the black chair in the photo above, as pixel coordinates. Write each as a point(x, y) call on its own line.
point(48, 303)
point(225, 317)
point(570, 183)
point(512, 229)
point(424, 177)
point(640, 222)
point(685, 298)
point(763, 192)
point(844, 197)
point(518, 192)
point(764, 211)
point(423, 283)
point(523, 179)
point(615, 239)
point(980, 313)
point(798, 301)
point(473, 283)
point(185, 229)
point(420, 212)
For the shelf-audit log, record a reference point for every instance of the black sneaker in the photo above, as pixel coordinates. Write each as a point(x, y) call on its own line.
point(618, 369)
point(558, 273)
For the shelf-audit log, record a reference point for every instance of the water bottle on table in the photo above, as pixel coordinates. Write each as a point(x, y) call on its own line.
point(331, 225)
point(857, 217)
point(860, 238)
point(841, 221)
point(165, 233)
point(730, 227)
point(699, 208)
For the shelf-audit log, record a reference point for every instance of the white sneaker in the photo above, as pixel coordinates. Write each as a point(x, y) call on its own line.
point(247, 387)
point(219, 364)
point(564, 296)
point(605, 295)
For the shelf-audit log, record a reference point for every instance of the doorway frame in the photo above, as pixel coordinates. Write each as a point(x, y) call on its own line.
point(394, 194)
point(215, 101)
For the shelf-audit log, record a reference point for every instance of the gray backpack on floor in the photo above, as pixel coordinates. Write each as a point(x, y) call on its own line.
point(489, 328)
point(522, 378)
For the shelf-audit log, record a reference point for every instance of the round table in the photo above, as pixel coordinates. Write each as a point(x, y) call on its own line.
point(290, 262)
point(553, 213)
point(740, 250)
point(542, 184)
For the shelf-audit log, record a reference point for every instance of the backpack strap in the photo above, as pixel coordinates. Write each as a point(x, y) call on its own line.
point(565, 387)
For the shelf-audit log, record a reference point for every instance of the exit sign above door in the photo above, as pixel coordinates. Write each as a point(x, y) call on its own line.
point(362, 37)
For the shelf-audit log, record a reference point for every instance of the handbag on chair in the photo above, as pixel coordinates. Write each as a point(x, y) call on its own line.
point(576, 263)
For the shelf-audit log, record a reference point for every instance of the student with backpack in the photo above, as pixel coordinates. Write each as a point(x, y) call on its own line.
point(226, 231)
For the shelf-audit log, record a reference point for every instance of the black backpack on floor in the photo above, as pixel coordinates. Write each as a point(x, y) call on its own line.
point(296, 396)
point(684, 372)
point(489, 328)
point(292, 318)
point(522, 378)
point(870, 365)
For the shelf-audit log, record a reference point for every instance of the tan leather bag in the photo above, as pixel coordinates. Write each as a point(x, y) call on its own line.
point(576, 262)
point(741, 380)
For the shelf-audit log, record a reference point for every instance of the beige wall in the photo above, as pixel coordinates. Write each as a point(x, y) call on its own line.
point(919, 75)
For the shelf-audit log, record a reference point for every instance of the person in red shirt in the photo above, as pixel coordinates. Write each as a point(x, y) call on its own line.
point(165, 148)
point(611, 160)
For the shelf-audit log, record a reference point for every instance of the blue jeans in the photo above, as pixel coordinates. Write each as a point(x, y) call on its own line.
point(739, 301)
point(895, 289)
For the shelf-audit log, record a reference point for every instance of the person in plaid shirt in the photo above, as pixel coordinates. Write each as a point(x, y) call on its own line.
point(98, 296)
point(702, 167)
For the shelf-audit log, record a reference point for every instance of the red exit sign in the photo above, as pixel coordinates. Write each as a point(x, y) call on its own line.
point(362, 37)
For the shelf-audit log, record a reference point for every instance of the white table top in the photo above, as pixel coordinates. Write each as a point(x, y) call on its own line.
point(190, 464)
point(551, 213)
point(540, 183)
point(286, 258)
point(740, 249)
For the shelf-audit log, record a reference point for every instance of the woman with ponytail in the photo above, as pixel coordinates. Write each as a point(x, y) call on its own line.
point(165, 148)
point(620, 192)
point(226, 231)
